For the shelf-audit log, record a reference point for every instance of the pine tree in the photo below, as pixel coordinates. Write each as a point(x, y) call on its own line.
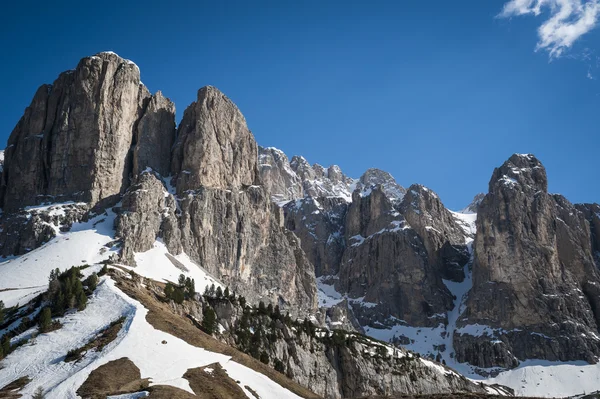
point(209, 321)
point(261, 308)
point(169, 291)
point(5, 343)
point(264, 357)
point(226, 293)
point(91, 282)
point(178, 295)
point(190, 287)
point(270, 309)
point(81, 301)
point(242, 301)
point(181, 280)
point(2, 312)
point(211, 291)
point(219, 293)
point(45, 320)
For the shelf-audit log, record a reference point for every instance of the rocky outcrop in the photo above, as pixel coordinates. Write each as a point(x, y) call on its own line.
point(214, 147)
point(28, 229)
point(374, 177)
point(277, 175)
point(388, 264)
point(534, 277)
point(74, 140)
point(297, 179)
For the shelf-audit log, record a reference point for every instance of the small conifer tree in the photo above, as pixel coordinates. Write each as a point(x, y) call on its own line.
point(45, 320)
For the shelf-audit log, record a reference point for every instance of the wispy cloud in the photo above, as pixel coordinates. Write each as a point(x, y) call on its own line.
point(568, 21)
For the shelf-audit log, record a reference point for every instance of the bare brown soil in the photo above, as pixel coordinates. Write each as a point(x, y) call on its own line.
point(10, 391)
point(213, 385)
point(113, 378)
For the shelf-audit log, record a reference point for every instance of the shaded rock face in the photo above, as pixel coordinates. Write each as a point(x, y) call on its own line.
point(444, 240)
point(318, 222)
point(214, 147)
point(533, 273)
point(387, 262)
point(155, 135)
point(74, 140)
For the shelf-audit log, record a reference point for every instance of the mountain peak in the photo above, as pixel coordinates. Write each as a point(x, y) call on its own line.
point(524, 171)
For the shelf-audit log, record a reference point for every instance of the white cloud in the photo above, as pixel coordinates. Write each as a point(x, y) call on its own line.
point(567, 22)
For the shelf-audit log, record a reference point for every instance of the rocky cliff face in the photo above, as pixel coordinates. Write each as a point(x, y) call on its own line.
point(387, 249)
point(74, 140)
point(399, 257)
point(214, 147)
point(97, 136)
point(535, 283)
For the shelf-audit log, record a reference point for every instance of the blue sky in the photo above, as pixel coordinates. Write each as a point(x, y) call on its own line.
point(437, 92)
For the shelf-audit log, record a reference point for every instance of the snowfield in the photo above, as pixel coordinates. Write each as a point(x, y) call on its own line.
point(23, 278)
point(158, 264)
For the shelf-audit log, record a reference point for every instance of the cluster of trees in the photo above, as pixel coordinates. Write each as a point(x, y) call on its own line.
point(185, 289)
point(213, 292)
point(67, 291)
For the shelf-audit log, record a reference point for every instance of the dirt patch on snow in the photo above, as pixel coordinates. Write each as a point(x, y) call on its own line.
point(212, 382)
point(10, 391)
point(113, 378)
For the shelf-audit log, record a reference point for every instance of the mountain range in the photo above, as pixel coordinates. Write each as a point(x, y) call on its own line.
point(352, 287)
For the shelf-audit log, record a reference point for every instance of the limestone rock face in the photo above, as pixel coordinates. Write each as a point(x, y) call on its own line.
point(73, 142)
point(214, 147)
point(277, 175)
point(386, 262)
point(533, 272)
point(237, 236)
point(155, 135)
point(217, 215)
point(444, 239)
point(141, 215)
point(318, 222)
